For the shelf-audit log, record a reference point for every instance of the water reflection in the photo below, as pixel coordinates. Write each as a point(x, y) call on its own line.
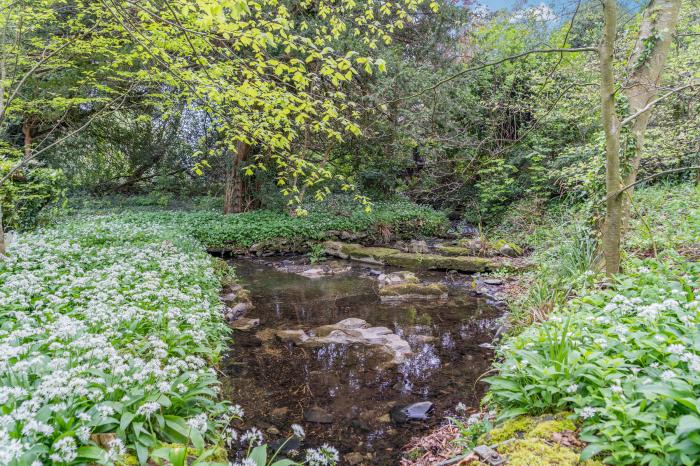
point(344, 380)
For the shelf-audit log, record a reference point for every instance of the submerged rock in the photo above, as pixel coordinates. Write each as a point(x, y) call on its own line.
point(318, 415)
point(395, 278)
point(351, 331)
point(245, 324)
point(413, 412)
point(313, 271)
point(413, 291)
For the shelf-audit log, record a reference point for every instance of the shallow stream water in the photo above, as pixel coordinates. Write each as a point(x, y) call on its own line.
point(276, 382)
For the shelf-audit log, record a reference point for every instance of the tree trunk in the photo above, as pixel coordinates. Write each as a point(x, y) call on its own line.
point(233, 189)
point(28, 131)
point(2, 235)
point(613, 182)
point(647, 63)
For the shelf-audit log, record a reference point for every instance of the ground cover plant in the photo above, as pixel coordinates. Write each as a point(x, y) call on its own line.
point(400, 219)
point(625, 359)
point(107, 327)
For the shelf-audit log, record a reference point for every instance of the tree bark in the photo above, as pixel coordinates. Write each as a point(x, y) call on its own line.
point(28, 128)
point(647, 63)
point(613, 182)
point(233, 189)
point(3, 249)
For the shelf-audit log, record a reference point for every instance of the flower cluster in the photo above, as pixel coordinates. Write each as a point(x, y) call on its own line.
point(105, 324)
point(626, 361)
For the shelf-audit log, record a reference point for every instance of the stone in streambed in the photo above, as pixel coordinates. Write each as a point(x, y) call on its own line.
point(245, 324)
point(413, 412)
point(395, 278)
point(345, 324)
point(318, 415)
point(418, 247)
point(434, 262)
point(285, 445)
point(241, 308)
point(372, 255)
point(493, 281)
point(392, 348)
point(413, 291)
point(295, 336)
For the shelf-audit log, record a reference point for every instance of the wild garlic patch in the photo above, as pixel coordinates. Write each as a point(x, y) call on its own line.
point(106, 327)
point(625, 362)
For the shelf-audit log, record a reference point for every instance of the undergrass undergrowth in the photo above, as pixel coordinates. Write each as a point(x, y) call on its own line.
point(400, 219)
point(622, 356)
point(108, 334)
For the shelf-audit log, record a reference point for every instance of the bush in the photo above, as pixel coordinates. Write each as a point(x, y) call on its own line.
point(25, 194)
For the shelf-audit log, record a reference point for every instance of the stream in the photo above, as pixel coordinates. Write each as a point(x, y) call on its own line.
point(340, 387)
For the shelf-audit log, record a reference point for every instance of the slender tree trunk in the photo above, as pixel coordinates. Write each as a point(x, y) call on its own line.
point(613, 216)
point(646, 66)
point(233, 189)
point(2, 234)
point(28, 131)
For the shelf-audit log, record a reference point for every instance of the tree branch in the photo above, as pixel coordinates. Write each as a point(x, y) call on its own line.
point(651, 177)
point(487, 65)
point(35, 154)
point(651, 104)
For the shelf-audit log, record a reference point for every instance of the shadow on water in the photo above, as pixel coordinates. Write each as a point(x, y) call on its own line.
point(276, 382)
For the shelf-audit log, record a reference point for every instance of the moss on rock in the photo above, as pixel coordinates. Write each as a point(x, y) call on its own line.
point(434, 261)
point(389, 256)
point(528, 441)
point(413, 291)
point(372, 255)
point(455, 250)
point(529, 427)
point(514, 428)
point(535, 452)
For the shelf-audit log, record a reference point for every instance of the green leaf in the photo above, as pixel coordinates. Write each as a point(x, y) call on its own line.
point(126, 419)
point(259, 455)
point(197, 439)
point(89, 452)
point(688, 423)
point(591, 450)
point(284, 462)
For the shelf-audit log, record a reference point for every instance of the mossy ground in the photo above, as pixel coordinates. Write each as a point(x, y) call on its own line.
point(529, 441)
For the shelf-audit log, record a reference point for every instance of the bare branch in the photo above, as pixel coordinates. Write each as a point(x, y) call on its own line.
point(487, 65)
point(35, 154)
point(651, 177)
point(651, 104)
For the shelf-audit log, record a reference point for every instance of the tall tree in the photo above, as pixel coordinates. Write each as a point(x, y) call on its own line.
point(640, 88)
